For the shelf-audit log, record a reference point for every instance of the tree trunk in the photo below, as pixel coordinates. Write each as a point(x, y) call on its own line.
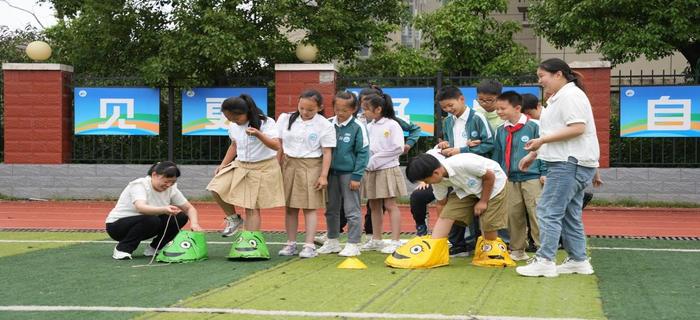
point(691, 52)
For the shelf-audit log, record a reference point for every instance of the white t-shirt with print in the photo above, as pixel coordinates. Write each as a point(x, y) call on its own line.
point(465, 171)
point(249, 148)
point(142, 189)
point(306, 138)
point(569, 105)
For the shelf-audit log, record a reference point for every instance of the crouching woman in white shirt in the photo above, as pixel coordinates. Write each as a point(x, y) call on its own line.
point(143, 210)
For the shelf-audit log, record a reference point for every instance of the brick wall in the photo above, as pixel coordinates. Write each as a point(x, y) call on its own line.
point(596, 79)
point(292, 79)
point(37, 113)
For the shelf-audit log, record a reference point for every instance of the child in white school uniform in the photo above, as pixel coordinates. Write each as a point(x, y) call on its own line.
point(383, 182)
point(308, 140)
point(254, 179)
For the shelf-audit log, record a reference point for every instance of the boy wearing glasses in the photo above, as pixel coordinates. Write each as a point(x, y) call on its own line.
point(486, 93)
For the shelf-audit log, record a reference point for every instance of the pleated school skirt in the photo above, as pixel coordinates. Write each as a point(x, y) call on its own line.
point(384, 183)
point(251, 185)
point(300, 175)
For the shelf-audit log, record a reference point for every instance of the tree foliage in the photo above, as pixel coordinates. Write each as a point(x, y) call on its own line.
point(621, 30)
point(397, 61)
point(470, 41)
point(209, 41)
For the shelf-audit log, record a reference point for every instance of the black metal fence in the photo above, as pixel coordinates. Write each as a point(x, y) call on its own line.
point(170, 143)
point(649, 152)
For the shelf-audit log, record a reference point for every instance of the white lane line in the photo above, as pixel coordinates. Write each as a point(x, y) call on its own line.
point(256, 312)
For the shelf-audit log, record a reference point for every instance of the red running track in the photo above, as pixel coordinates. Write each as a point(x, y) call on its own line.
point(90, 215)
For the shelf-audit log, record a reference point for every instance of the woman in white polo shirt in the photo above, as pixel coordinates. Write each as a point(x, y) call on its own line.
point(307, 142)
point(253, 180)
point(143, 210)
point(569, 145)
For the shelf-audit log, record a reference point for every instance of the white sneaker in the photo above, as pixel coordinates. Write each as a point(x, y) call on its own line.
point(330, 246)
point(233, 222)
point(519, 255)
point(309, 251)
point(149, 251)
point(372, 244)
point(320, 240)
point(391, 247)
point(289, 250)
point(537, 267)
point(120, 255)
point(570, 266)
point(350, 250)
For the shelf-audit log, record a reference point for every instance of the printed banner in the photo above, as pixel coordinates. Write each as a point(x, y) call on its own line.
point(117, 111)
point(416, 105)
point(660, 111)
point(201, 109)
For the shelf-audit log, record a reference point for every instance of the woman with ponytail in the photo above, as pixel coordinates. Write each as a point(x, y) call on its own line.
point(144, 209)
point(569, 146)
point(253, 180)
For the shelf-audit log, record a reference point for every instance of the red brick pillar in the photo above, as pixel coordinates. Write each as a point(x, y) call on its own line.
point(38, 124)
point(292, 79)
point(596, 79)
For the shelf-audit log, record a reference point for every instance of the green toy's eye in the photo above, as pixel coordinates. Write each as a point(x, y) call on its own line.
point(486, 247)
point(185, 245)
point(416, 249)
point(240, 239)
point(253, 243)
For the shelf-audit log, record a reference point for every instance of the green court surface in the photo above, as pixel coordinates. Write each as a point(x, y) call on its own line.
point(627, 284)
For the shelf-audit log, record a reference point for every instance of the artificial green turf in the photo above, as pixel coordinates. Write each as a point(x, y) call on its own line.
point(648, 285)
point(86, 275)
point(317, 285)
point(9, 249)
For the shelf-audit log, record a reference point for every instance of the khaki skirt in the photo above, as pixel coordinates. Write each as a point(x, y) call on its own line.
point(251, 185)
point(382, 184)
point(300, 176)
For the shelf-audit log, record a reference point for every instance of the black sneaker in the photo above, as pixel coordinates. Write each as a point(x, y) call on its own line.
point(459, 252)
point(421, 230)
point(531, 248)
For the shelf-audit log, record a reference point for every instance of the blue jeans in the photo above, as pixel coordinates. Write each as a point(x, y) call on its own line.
point(559, 212)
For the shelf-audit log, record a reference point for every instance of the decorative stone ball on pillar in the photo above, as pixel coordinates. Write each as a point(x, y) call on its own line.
point(306, 53)
point(38, 51)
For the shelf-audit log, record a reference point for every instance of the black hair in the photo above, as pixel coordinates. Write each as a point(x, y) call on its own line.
point(553, 65)
point(382, 101)
point(370, 90)
point(513, 98)
point(421, 167)
point(311, 94)
point(244, 104)
point(530, 102)
point(448, 92)
point(165, 168)
point(489, 86)
point(347, 95)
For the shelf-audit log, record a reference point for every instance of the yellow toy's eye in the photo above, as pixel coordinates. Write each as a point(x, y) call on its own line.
point(185, 245)
point(486, 247)
point(502, 247)
point(253, 243)
point(416, 249)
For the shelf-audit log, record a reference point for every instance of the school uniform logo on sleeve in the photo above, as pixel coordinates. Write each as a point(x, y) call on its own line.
point(387, 133)
point(346, 138)
point(525, 139)
point(471, 183)
point(475, 134)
